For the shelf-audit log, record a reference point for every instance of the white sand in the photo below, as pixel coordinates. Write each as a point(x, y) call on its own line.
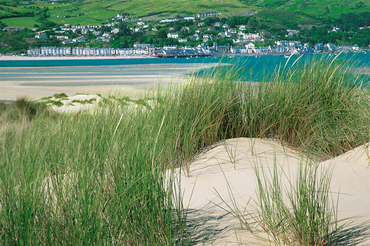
point(137, 86)
point(214, 171)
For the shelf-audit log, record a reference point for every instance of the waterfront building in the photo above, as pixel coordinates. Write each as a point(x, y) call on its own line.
point(319, 47)
point(222, 48)
point(355, 47)
point(330, 46)
point(33, 52)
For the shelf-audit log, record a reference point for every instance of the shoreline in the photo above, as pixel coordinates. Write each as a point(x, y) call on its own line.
point(230, 55)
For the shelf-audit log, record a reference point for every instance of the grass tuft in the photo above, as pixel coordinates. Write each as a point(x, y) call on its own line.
point(60, 95)
point(303, 214)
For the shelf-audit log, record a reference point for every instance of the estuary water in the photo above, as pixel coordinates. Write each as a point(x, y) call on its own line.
point(37, 78)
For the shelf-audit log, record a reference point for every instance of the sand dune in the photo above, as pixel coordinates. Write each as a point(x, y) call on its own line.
point(230, 164)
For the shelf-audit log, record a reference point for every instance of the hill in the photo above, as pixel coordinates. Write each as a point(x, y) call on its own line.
point(84, 12)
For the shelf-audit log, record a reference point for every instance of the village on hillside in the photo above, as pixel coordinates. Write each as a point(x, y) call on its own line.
point(203, 34)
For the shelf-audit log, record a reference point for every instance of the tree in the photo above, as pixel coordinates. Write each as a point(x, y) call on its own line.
point(161, 33)
point(123, 30)
point(106, 29)
point(253, 24)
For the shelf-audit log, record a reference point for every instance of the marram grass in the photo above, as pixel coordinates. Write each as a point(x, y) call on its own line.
point(99, 179)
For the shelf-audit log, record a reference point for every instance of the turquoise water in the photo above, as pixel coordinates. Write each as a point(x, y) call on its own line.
point(116, 71)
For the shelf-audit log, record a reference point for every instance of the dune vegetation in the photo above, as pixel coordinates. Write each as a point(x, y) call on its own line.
point(84, 178)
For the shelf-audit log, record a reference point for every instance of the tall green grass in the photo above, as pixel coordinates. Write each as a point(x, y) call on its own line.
point(99, 179)
point(317, 106)
point(302, 214)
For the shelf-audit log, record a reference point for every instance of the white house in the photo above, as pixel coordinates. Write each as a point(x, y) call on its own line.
point(225, 26)
point(330, 47)
point(250, 36)
point(115, 30)
point(282, 43)
point(242, 28)
point(206, 14)
point(200, 24)
point(172, 35)
point(79, 39)
point(189, 18)
point(335, 30)
point(217, 24)
point(250, 46)
point(228, 34)
point(182, 40)
point(238, 41)
point(207, 38)
point(292, 32)
point(62, 37)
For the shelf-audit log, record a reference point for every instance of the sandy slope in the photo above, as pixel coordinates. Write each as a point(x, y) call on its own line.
point(231, 165)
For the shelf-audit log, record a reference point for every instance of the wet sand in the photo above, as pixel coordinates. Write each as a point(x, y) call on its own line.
point(133, 86)
point(126, 80)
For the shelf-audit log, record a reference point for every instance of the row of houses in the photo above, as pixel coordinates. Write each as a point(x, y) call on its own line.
point(81, 51)
point(290, 47)
point(50, 51)
point(201, 50)
point(331, 47)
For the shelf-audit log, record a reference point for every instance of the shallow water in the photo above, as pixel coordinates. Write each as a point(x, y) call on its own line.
point(58, 75)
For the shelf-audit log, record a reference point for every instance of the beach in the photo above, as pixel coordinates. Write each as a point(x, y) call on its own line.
point(135, 86)
point(132, 80)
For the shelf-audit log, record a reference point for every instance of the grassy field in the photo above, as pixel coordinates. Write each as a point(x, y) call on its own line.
point(99, 179)
point(317, 7)
point(21, 22)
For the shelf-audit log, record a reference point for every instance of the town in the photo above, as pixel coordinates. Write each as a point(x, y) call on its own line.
point(204, 34)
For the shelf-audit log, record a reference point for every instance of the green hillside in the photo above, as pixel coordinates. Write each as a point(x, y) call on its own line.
point(315, 7)
point(95, 12)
